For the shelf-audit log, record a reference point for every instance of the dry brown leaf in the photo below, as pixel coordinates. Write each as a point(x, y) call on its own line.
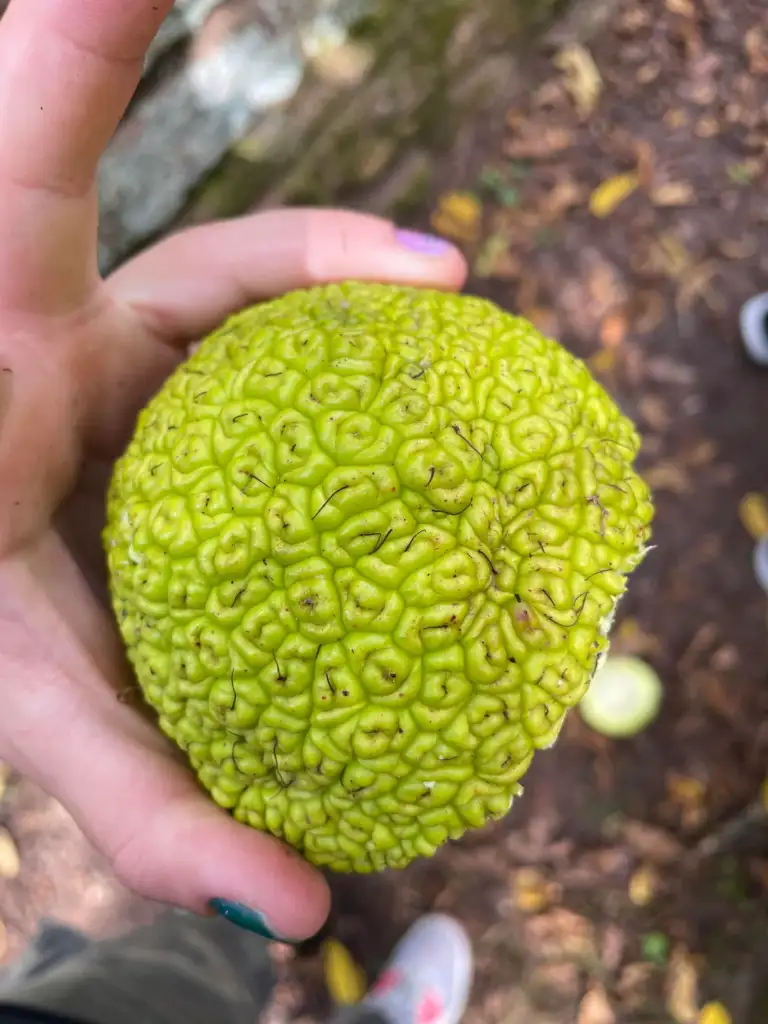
point(581, 76)
point(738, 248)
point(651, 843)
point(643, 885)
point(654, 411)
point(458, 216)
point(630, 638)
point(564, 196)
point(561, 934)
point(682, 987)
point(683, 7)
point(613, 330)
point(671, 256)
point(695, 284)
point(668, 476)
point(648, 73)
point(610, 194)
point(674, 193)
point(707, 127)
point(595, 1008)
point(702, 453)
point(538, 144)
point(645, 155)
point(10, 862)
point(633, 984)
point(756, 45)
point(648, 311)
point(688, 794)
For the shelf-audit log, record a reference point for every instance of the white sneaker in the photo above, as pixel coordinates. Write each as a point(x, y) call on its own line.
point(760, 563)
point(428, 978)
point(753, 321)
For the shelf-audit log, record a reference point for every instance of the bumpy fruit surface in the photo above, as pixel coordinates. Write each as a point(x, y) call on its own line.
point(364, 549)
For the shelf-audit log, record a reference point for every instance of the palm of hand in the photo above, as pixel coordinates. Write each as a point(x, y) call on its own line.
point(78, 357)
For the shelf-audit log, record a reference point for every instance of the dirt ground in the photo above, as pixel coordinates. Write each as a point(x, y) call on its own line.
point(623, 206)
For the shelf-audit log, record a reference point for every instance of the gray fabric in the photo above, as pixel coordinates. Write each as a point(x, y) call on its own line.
point(179, 970)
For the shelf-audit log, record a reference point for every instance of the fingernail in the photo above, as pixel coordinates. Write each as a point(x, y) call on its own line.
point(425, 245)
point(244, 917)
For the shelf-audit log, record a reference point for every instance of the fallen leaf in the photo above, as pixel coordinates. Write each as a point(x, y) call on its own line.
point(655, 413)
point(492, 252)
point(603, 361)
point(458, 216)
point(10, 862)
point(683, 7)
point(5, 774)
point(764, 795)
point(738, 248)
point(564, 196)
point(538, 144)
point(645, 155)
point(613, 330)
point(651, 843)
point(682, 987)
point(671, 256)
point(532, 891)
point(648, 73)
point(633, 983)
point(743, 173)
point(688, 794)
point(609, 195)
point(643, 885)
point(756, 45)
point(595, 1008)
point(753, 513)
point(344, 979)
point(707, 127)
point(696, 283)
point(648, 311)
point(714, 1013)
point(581, 77)
point(656, 948)
point(676, 117)
point(630, 638)
point(674, 193)
point(561, 934)
point(668, 476)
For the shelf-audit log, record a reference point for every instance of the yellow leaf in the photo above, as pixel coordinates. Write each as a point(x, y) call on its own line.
point(533, 893)
point(458, 216)
point(714, 1013)
point(753, 512)
point(582, 78)
point(611, 193)
point(682, 987)
point(764, 795)
point(643, 885)
point(10, 862)
point(345, 980)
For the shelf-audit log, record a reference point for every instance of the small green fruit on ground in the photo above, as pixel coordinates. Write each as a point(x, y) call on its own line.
point(364, 548)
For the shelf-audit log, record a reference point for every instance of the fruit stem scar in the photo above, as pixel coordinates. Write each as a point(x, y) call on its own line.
point(330, 497)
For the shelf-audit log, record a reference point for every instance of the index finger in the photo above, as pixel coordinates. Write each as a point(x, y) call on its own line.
point(68, 69)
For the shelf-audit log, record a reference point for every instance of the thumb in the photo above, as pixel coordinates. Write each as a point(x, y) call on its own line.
point(62, 725)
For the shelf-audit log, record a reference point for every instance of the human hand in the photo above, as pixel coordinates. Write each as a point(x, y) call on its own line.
point(78, 357)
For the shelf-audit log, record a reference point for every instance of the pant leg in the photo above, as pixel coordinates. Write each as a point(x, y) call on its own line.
point(179, 970)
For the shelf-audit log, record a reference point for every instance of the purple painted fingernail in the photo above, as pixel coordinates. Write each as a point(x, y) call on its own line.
point(425, 245)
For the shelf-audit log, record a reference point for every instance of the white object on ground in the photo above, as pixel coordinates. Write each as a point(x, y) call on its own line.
point(623, 698)
point(760, 562)
point(429, 975)
point(753, 321)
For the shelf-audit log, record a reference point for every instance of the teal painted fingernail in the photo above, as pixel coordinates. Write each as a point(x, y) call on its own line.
point(244, 917)
point(424, 245)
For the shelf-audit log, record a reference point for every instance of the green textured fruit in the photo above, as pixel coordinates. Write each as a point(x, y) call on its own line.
point(364, 549)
